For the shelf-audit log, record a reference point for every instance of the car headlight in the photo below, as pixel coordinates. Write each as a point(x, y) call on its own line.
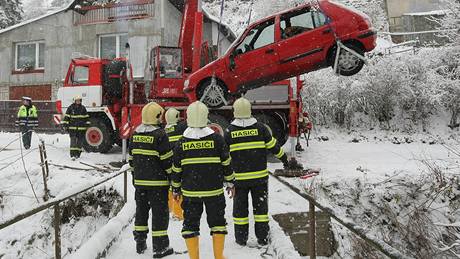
point(186, 83)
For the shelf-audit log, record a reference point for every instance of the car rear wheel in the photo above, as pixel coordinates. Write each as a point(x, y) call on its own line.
point(98, 137)
point(218, 123)
point(349, 64)
point(213, 94)
point(274, 126)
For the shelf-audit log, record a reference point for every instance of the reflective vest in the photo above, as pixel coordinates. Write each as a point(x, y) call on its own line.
point(248, 149)
point(201, 166)
point(150, 156)
point(27, 116)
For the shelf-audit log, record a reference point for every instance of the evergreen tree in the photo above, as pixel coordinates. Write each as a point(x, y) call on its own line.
point(10, 12)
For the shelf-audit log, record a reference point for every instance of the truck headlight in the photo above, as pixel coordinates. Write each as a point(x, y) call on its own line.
point(186, 83)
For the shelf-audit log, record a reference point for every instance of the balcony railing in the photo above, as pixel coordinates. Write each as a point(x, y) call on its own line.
point(108, 13)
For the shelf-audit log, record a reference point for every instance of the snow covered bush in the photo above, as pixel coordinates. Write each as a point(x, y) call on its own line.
point(450, 23)
point(401, 92)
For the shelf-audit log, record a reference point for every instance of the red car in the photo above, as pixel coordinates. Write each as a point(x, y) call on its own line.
point(284, 45)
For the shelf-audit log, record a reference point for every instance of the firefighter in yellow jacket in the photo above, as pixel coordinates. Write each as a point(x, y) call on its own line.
point(201, 169)
point(249, 141)
point(150, 157)
point(27, 120)
point(175, 129)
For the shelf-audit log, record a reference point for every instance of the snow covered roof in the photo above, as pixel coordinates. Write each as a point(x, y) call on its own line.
point(36, 19)
point(225, 28)
point(435, 12)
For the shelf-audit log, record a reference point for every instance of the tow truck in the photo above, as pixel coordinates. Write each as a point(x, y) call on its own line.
point(114, 100)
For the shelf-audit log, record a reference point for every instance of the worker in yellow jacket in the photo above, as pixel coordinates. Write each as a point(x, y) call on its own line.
point(27, 120)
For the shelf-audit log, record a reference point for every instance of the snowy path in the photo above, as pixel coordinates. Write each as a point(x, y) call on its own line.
point(281, 201)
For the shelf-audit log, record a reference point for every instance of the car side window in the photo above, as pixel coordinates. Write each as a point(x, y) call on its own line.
point(300, 21)
point(258, 37)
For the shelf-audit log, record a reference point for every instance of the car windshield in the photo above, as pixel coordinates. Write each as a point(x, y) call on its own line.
point(259, 36)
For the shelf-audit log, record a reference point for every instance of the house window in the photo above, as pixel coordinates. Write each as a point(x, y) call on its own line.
point(30, 56)
point(112, 46)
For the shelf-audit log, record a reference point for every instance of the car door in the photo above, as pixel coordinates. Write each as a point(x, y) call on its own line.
point(305, 39)
point(255, 57)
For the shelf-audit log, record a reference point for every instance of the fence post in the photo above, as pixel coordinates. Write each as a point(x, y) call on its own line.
point(312, 230)
point(57, 232)
point(125, 187)
point(42, 160)
point(45, 156)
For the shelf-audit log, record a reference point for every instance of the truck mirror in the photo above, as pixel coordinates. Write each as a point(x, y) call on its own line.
point(179, 69)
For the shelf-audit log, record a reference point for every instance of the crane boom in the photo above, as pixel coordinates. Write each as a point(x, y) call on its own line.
point(186, 38)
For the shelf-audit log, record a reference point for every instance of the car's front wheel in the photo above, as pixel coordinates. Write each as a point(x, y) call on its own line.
point(349, 63)
point(213, 93)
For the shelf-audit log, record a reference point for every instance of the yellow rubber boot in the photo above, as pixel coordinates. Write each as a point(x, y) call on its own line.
point(218, 241)
point(193, 247)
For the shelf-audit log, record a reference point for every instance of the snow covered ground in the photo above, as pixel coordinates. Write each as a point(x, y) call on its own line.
point(372, 157)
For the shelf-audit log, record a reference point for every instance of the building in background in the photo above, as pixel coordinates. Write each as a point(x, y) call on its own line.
point(36, 54)
point(417, 17)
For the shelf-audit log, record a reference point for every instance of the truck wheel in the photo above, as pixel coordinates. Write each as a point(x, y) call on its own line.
point(213, 97)
point(274, 126)
point(218, 123)
point(98, 137)
point(349, 64)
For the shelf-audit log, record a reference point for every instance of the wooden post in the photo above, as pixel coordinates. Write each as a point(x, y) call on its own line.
point(45, 156)
point(312, 230)
point(42, 160)
point(125, 187)
point(57, 232)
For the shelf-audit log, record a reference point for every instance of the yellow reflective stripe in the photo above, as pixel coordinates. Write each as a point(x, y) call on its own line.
point(247, 145)
point(241, 221)
point(197, 194)
point(175, 138)
point(280, 154)
point(169, 170)
point(176, 169)
point(166, 156)
point(229, 177)
point(160, 233)
point(271, 144)
point(187, 232)
point(78, 128)
point(141, 228)
point(145, 152)
point(130, 157)
point(75, 149)
point(151, 183)
point(78, 116)
point(261, 218)
point(201, 160)
point(227, 162)
point(251, 175)
point(176, 185)
point(219, 229)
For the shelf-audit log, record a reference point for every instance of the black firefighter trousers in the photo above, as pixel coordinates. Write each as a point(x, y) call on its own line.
point(157, 201)
point(215, 211)
point(76, 142)
point(259, 194)
point(26, 136)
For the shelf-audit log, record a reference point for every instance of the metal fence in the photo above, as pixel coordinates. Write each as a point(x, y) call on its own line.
point(9, 110)
point(55, 204)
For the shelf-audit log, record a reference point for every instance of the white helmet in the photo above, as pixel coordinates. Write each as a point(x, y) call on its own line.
point(172, 116)
point(197, 115)
point(151, 114)
point(242, 108)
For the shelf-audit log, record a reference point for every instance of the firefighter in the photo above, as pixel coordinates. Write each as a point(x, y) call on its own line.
point(249, 141)
point(150, 157)
point(201, 169)
point(76, 122)
point(175, 129)
point(27, 120)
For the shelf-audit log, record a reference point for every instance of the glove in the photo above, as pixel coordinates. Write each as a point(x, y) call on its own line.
point(293, 165)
